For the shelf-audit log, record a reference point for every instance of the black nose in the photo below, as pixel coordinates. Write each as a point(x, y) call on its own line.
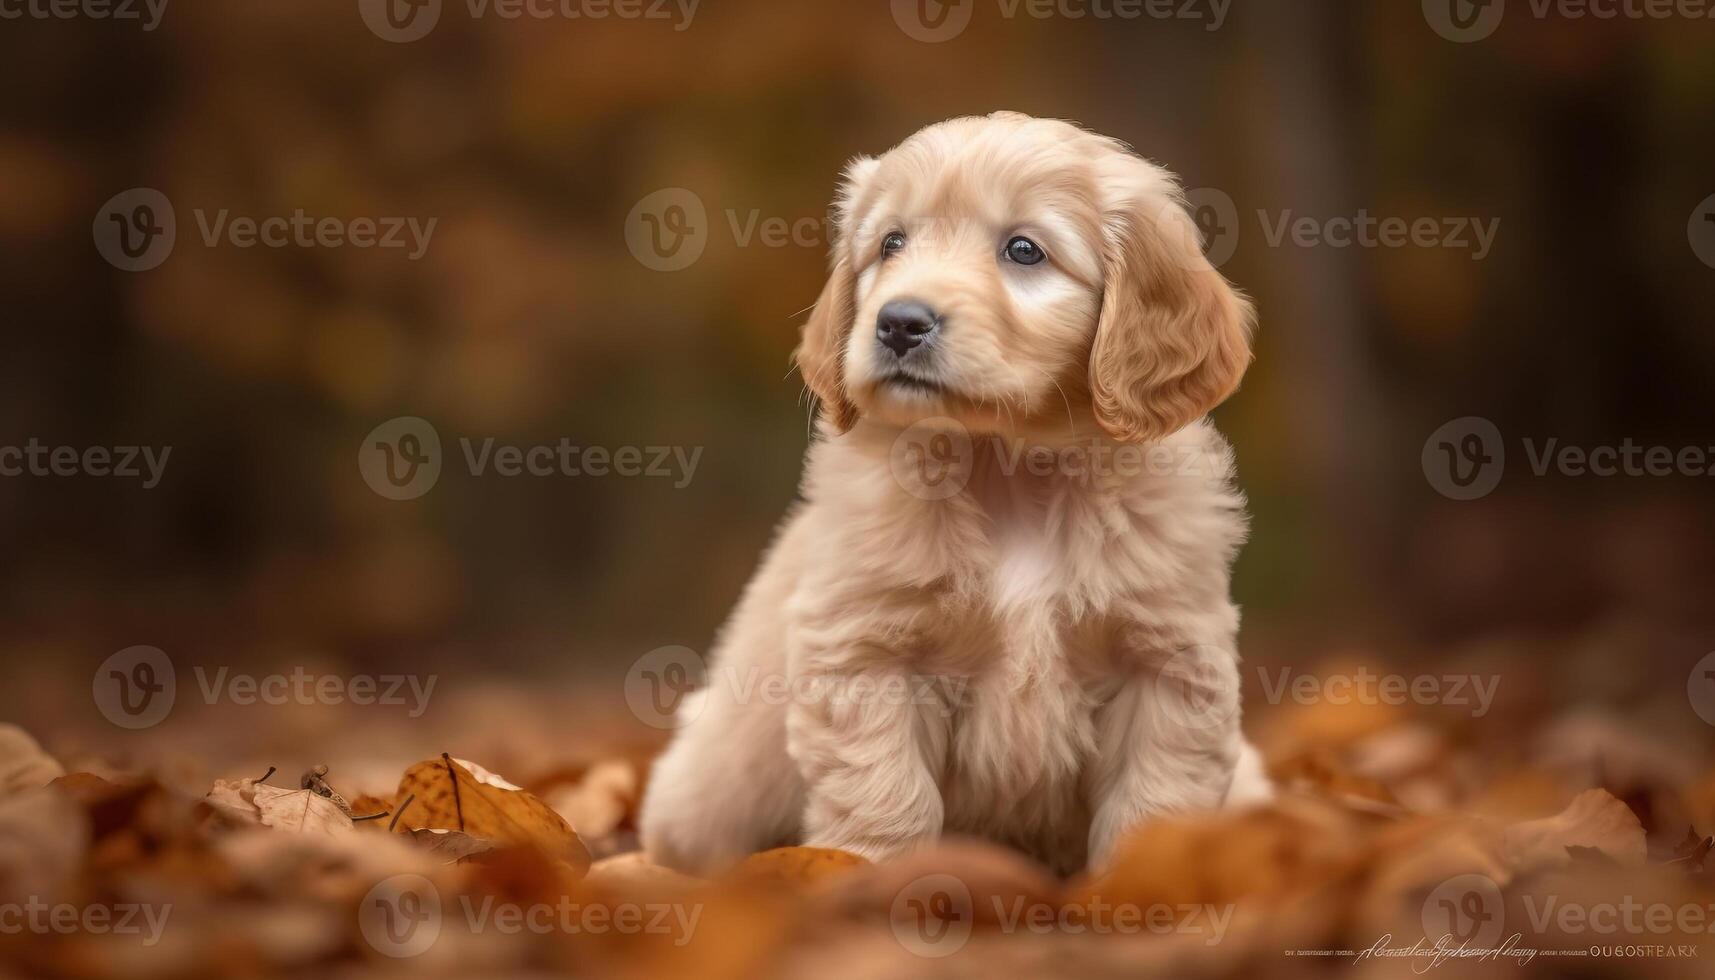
point(904, 324)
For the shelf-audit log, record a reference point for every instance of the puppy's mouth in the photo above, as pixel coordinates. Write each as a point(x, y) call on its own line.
point(915, 384)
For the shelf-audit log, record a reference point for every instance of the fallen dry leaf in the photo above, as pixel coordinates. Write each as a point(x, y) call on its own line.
point(600, 802)
point(292, 810)
point(452, 794)
point(23, 764)
point(795, 866)
point(1595, 819)
point(43, 839)
point(965, 880)
point(1692, 853)
point(449, 845)
point(634, 874)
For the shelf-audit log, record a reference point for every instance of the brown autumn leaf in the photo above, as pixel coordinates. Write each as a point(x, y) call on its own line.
point(1692, 853)
point(796, 866)
point(1595, 819)
point(449, 845)
point(44, 838)
point(602, 801)
point(452, 794)
point(23, 764)
point(291, 810)
point(633, 875)
point(364, 805)
point(982, 881)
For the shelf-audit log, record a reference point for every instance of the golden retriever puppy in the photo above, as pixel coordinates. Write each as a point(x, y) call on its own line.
point(1002, 607)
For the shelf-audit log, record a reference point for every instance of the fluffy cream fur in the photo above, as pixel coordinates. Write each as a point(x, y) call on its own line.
point(1002, 609)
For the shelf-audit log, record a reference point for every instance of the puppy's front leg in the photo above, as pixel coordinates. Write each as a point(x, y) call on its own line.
point(871, 754)
point(1169, 741)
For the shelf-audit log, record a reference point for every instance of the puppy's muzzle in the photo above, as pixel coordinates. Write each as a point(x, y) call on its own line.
point(905, 324)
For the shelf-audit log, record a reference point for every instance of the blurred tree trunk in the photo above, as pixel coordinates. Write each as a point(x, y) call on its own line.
point(1300, 124)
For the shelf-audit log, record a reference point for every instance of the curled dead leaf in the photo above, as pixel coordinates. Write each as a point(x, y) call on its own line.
point(601, 802)
point(1595, 819)
point(251, 801)
point(449, 845)
point(452, 794)
point(981, 881)
point(23, 764)
point(795, 866)
point(44, 837)
point(634, 874)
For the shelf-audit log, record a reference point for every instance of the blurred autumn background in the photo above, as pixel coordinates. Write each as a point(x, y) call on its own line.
point(527, 319)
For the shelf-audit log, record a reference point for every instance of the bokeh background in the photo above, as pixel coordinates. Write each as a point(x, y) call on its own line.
point(529, 319)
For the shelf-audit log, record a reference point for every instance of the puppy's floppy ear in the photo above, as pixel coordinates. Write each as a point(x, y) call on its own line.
point(1174, 336)
point(821, 351)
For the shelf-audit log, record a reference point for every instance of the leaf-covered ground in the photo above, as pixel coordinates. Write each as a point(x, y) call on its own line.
point(1402, 844)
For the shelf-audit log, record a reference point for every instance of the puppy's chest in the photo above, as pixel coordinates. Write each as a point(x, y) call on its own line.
point(1021, 732)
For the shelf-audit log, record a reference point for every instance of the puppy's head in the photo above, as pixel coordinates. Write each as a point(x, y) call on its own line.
point(1020, 275)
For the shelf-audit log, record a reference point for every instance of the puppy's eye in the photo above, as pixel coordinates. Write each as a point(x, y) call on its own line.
point(1024, 251)
point(892, 243)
